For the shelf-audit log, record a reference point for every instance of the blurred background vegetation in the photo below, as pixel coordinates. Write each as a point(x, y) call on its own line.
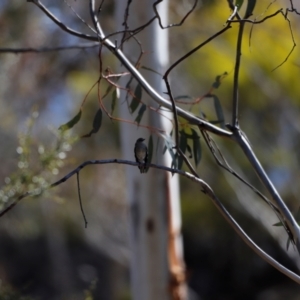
point(46, 253)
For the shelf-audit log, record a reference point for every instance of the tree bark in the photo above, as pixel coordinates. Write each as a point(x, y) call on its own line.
point(157, 268)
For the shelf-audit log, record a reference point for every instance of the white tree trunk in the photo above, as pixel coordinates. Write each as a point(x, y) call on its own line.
point(157, 269)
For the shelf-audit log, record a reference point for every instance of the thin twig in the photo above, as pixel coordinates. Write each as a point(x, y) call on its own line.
point(206, 189)
point(176, 123)
point(62, 25)
point(260, 21)
point(80, 202)
point(294, 43)
point(176, 24)
point(225, 165)
point(247, 239)
point(291, 223)
point(228, 26)
point(188, 163)
point(293, 9)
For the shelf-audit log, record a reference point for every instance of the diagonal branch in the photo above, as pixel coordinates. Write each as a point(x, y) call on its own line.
point(291, 223)
point(135, 73)
point(60, 24)
point(224, 164)
point(205, 188)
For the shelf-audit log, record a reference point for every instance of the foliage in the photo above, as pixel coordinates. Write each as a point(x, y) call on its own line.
point(37, 163)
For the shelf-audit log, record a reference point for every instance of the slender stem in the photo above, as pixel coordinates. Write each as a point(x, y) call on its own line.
point(80, 201)
point(235, 96)
point(184, 57)
point(61, 24)
point(282, 208)
point(245, 237)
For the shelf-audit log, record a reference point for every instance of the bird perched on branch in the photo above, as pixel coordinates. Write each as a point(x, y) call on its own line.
point(141, 154)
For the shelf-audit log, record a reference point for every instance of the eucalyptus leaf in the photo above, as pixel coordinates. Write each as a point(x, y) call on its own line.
point(219, 111)
point(250, 7)
point(196, 147)
point(140, 113)
point(113, 101)
point(71, 123)
point(96, 123)
point(182, 146)
point(136, 99)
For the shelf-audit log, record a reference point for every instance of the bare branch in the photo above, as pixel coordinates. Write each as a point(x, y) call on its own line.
point(235, 96)
point(260, 21)
point(60, 24)
point(205, 188)
point(177, 127)
point(292, 225)
point(172, 25)
point(196, 49)
point(293, 9)
point(80, 202)
point(246, 238)
point(294, 43)
point(224, 164)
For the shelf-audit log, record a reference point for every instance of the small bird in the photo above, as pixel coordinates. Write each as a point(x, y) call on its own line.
point(141, 154)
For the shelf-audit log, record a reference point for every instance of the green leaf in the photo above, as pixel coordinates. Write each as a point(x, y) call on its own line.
point(113, 101)
point(150, 151)
point(136, 100)
point(140, 113)
point(239, 3)
point(189, 150)
point(128, 84)
point(97, 120)
point(96, 123)
point(250, 8)
point(196, 147)
point(71, 123)
point(219, 111)
point(218, 80)
point(182, 146)
point(107, 91)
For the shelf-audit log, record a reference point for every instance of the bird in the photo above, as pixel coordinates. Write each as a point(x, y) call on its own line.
point(141, 154)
